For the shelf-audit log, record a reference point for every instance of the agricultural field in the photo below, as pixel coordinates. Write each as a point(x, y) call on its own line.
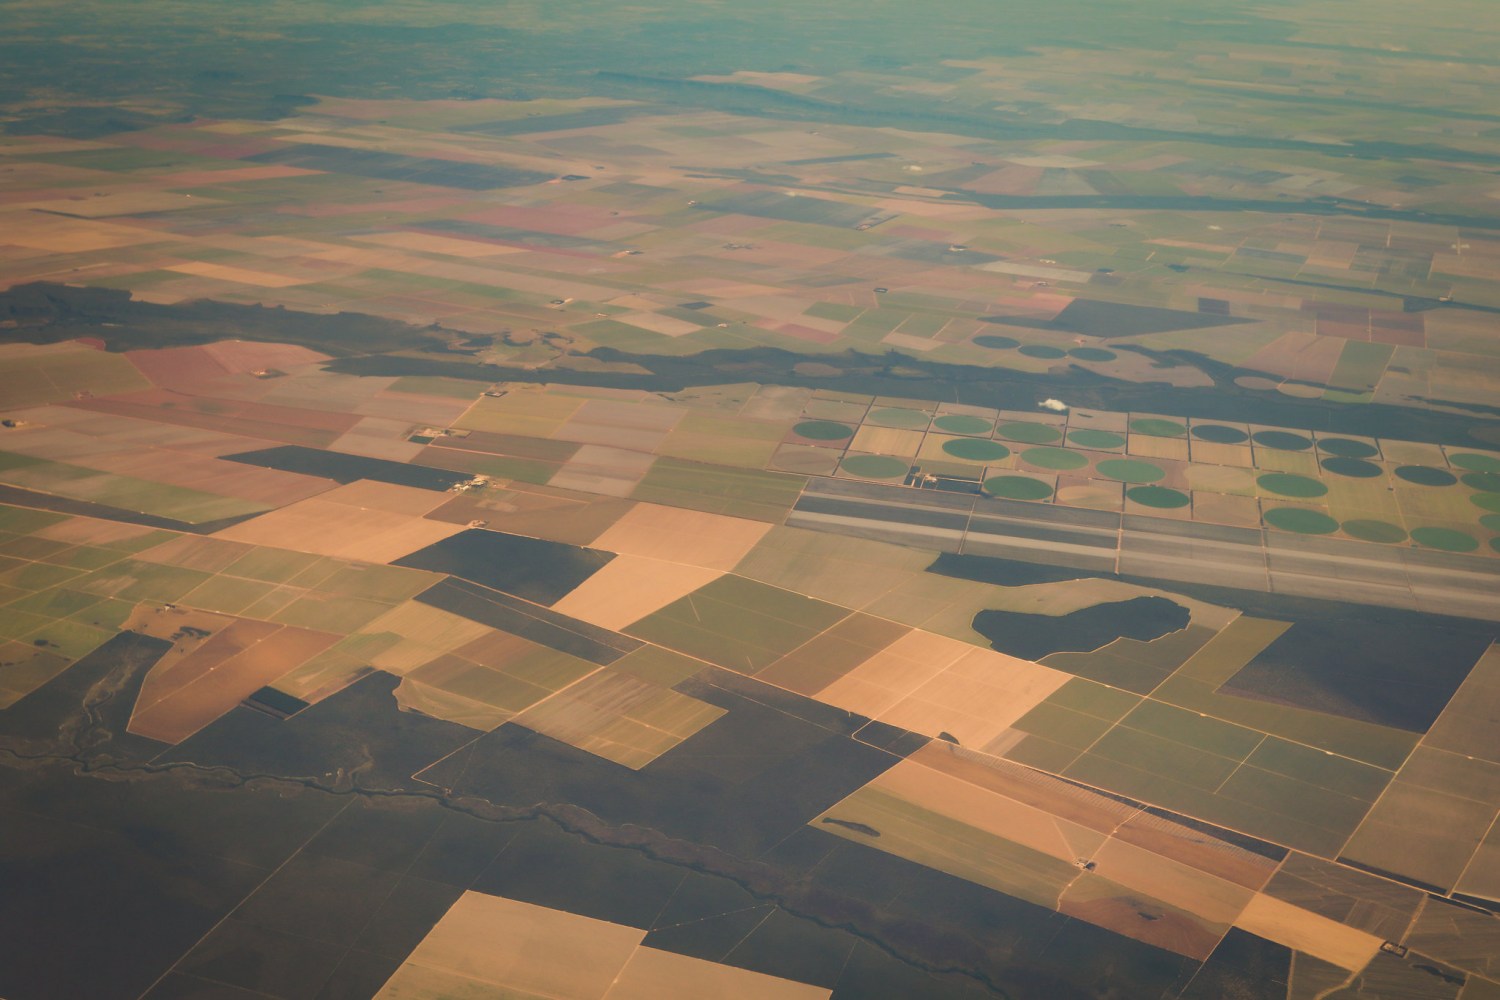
point(790, 502)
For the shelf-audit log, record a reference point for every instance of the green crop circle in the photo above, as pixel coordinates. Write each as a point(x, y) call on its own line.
point(1446, 539)
point(1281, 440)
point(1092, 354)
point(1485, 482)
point(1029, 433)
point(962, 423)
point(1219, 434)
point(896, 416)
point(976, 449)
point(1043, 351)
point(1288, 484)
point(1130, 470)
point(1347, 448)
point(1491, 521)
point(1475, 463)
point(1156, 427)
point(875, 466)
point(996, 343)
point(1426, 475)
point(1055, 458)
point(1017, 488)
point(823, 430)
point(1158, 496)
point(1486, 501)
point(1354, 468)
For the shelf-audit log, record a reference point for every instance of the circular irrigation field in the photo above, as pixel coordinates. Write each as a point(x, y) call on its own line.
point(1158, 496)
point(1158, 427)
point(1017, 488)
point(1425, 475)
point(976, 449)
point(1130, 470)
point(823, 430)
point(1289, 484)
point(875, 466)
point(1029, 433)
point(1219, 434)
point(1281, 440)
point(1086, 437)
point(1057, 459)
point(1347, 448)
point(1301, 520)
point(962, 423)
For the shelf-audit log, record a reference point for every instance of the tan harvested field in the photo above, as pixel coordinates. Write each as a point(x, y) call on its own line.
point(1079, 806)
point(893, 673)
point(508, 945)
point(1107, 904)
point(419, 633)
point(620, 717)
point(977, 697)
point(413, 695)
point(694, 538)
point(652, 974)
point(367, 493)
point(820, 661)
point(204, 686)
point(1169, 879)
point(1220, 858)
point(537, 511)
point(92, 531)
point(197, 655)
point(1091, 810)
point(332, 528)
point(238, 275)
point(197, 552)
point(1224, 508)
point(603, 469)
point(630, 587)
point(984, 809)
point(445, 245)
point(1308, 932)
point(887, 441)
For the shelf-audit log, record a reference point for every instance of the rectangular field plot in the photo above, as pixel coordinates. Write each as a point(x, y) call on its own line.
point(490, 679)
point(737, 623)
point(695, 538)
point(630, 588)
point(183, 694)
point(621, 717)
point(496, 947)
point(1042, 840)
point(702, 437)
point(78, 482)
point(1196, 687)
point(748, 493)
point(1431, 821)
point(1236, 777)
point(537, 511)
point(1466, 725)
point(821, 661)
point(350, 525)
point(1375, 905)
point(1305, 931)
point(35, 375)
point(530, 621)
